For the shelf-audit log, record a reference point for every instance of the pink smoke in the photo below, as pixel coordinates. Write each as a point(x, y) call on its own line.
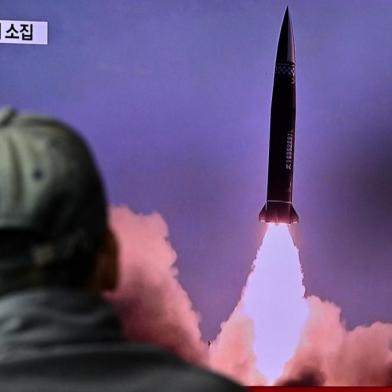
point(151, 302)
point(360, 357)
point(155, 308)
point(232, 352)
point(325, 353)
point(328, 354)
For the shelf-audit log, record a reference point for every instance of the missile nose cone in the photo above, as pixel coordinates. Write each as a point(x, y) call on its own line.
point(286, 50)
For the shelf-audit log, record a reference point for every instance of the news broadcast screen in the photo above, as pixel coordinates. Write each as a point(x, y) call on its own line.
point(245, 148)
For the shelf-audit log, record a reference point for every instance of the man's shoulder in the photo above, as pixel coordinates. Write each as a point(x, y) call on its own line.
point(108, 367)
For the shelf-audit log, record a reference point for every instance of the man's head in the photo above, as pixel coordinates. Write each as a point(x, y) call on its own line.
point(53, 221)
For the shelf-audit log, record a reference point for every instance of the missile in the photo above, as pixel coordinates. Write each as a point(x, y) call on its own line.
point(279, 207)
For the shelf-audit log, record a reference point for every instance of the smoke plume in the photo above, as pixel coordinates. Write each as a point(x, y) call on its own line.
point(335, 356)
point(155, 308)
point(151, 302)
point(324, 353)
point(327, 354)
point(232, 352)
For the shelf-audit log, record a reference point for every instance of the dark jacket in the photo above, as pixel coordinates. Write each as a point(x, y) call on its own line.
point(64, 340)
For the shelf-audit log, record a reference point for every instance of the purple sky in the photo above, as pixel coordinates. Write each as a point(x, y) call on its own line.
point(174, 97)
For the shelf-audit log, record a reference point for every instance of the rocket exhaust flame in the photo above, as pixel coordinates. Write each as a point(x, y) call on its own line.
point(274, 299)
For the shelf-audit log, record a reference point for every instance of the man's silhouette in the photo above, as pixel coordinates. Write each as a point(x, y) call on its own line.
point(57, 255)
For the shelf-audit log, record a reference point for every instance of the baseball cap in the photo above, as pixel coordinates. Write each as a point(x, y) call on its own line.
point(50, 188)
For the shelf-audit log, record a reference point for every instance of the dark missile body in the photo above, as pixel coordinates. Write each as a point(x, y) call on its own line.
point(279, 208)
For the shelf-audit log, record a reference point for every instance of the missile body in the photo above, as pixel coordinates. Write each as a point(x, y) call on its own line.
point(279, 208)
